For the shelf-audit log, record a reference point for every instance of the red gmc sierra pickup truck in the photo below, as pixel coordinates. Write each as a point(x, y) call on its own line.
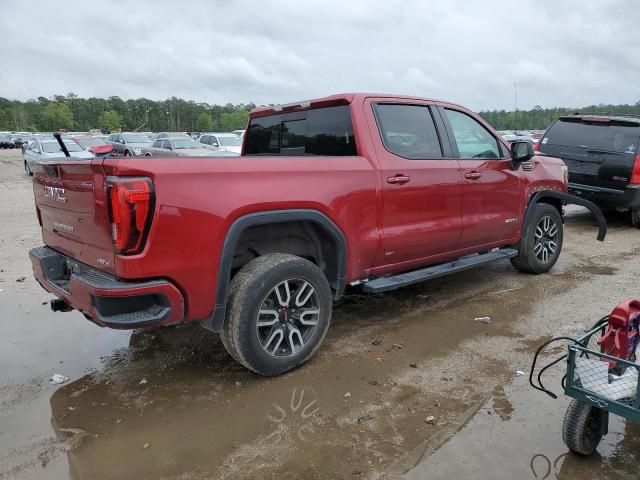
point(378, 190)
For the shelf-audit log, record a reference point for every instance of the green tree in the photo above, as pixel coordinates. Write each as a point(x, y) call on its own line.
point(109, 119)
point(204, 122)
point(57, 116)
point(233, 120)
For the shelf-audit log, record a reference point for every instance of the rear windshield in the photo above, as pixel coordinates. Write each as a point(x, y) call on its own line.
point(54, 147)
point(87, 142)
point(619, 137)
point(184, 143)
point(230, 141)
point(322, 131)
point(136, 138)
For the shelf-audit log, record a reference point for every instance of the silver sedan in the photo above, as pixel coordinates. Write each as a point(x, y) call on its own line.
point(43, 149)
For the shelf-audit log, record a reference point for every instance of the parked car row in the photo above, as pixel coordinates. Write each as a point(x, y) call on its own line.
point(14, 139)
point(521, 135)
point(38, 147)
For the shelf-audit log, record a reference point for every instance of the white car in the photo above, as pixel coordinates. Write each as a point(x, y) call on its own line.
point(42, 149)
point(221, 142)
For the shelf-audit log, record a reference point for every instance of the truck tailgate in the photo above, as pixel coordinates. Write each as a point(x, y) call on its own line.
point(71, 201)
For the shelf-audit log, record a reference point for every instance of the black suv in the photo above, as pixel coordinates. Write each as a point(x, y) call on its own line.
point(601, 152)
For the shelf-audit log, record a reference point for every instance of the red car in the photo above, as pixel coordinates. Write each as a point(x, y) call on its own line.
point(96, 145)
point(355, 189)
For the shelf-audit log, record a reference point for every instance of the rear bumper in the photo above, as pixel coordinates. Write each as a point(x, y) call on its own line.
point(107, 301)
point(627, 198)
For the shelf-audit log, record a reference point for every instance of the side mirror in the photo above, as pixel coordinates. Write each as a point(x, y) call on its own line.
point(521, 152)
point(215, 144)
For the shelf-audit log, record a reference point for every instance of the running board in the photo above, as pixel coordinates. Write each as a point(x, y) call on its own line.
point(386, 284)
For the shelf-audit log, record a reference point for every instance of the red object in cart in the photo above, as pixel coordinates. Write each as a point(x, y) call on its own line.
point(621, 337)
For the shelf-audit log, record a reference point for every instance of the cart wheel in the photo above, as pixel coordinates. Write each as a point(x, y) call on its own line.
point(583, 427)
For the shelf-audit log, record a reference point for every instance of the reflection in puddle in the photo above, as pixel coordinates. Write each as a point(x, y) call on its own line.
point(299, 412)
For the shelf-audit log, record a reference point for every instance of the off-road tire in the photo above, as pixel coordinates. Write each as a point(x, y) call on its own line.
point(582, 428)
point(635, 217)
point(248, 290)
point(526, 261)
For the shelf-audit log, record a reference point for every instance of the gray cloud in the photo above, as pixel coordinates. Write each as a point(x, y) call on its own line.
point(568, 53)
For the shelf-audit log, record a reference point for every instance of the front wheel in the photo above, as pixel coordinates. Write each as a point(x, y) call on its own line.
point(279, 312)
point(583, 427)
point(541, 240)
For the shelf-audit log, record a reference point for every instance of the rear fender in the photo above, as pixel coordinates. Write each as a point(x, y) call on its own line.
point(216, 321)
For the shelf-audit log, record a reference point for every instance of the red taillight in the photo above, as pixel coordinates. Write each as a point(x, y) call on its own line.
point(131, 203)
point(635, 174)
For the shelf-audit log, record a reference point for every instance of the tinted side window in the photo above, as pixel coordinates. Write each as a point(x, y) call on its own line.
point(157, 144)
point(263, 136)
point(324, 131)
point(166, 144)
point(473, 140)
point(329, 132)
point(408, 130)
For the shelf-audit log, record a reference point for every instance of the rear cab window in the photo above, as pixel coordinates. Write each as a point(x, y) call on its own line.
point(322, 131)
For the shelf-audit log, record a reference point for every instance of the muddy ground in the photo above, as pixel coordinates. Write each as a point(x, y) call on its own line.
point(170, 404)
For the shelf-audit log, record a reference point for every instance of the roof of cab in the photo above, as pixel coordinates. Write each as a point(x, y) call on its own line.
point(334, 100)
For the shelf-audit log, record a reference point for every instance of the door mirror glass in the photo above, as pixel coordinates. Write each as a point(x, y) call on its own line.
point(521, 151)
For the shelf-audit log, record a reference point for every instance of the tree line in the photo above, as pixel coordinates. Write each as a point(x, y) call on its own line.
point(70, 112)
point(539, 118)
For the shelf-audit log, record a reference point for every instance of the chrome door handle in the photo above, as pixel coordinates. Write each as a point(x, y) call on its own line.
point(473, 175)
point(398, 179)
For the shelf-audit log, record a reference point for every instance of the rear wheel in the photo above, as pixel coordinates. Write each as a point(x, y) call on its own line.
point(541, 241)
point(582, 428)
point(635, 217)
point(279, 312)
point(127, 153)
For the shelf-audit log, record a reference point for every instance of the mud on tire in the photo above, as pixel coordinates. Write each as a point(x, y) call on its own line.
point(582, 428)
point(278, 313)
point(535, 239)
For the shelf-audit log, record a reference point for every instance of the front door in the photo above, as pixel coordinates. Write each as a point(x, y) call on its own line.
point(421, 183)
point(491, 199)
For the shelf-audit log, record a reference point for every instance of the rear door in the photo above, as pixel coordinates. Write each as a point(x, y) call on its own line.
point(72, 204)
point(421, 182)
point(600, 152)
point(492, 197)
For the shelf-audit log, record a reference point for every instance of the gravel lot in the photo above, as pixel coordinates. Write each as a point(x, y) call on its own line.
point(169, 403)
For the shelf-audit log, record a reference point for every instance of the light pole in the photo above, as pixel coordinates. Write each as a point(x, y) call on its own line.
point(515, 104)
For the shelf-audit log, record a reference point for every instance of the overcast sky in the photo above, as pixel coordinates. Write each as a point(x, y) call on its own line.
point(560, 52)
